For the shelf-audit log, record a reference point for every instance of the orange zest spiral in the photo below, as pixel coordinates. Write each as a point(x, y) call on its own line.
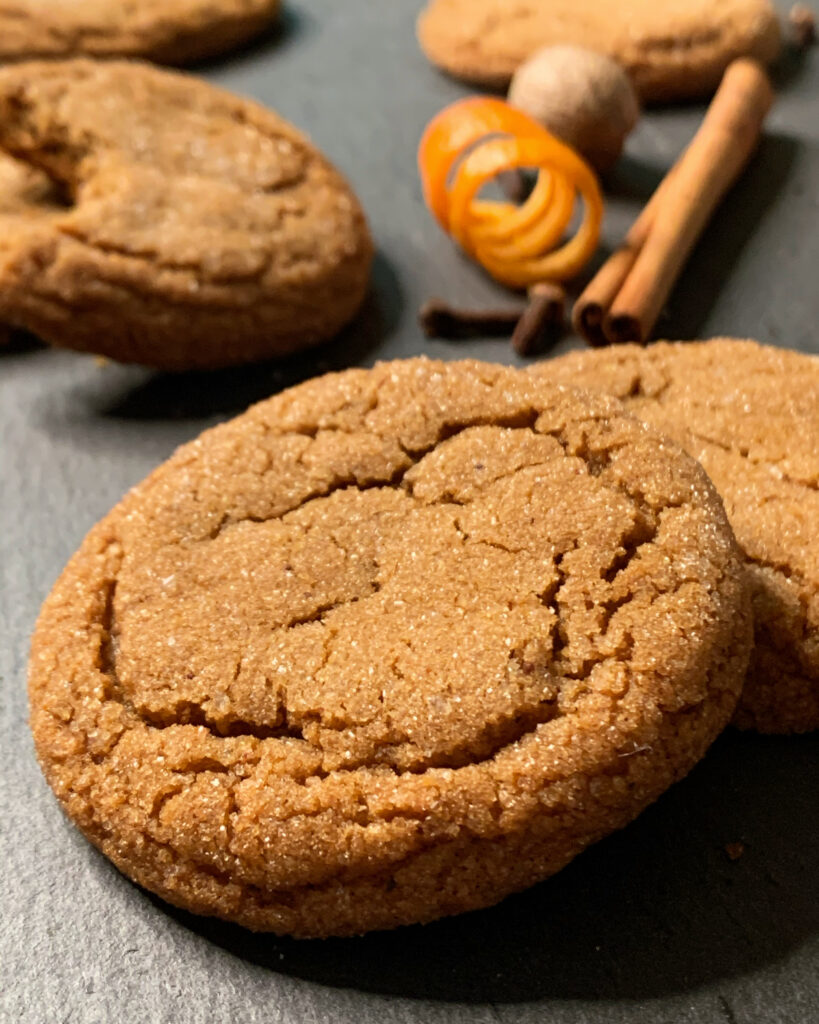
point(471, 142)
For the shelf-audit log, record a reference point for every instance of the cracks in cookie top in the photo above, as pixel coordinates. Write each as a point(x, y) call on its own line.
point(511, 433)
point(49, 121)
point(750, 415)
point(343, 681)
point(202, 228)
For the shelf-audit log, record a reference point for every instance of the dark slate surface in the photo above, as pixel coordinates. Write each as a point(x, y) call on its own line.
point(654, 925)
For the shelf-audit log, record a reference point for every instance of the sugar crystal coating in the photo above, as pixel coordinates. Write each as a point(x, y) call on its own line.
point(677, 49)
point(750, 415)
point(154, 218)
point(388, 646)
point(166, 31)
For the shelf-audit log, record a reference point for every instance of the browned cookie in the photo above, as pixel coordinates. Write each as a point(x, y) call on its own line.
point(750, 414)
point(196, 229)
point(389, 646)
point(674, 49)
point(168, 31)
point(24, 193)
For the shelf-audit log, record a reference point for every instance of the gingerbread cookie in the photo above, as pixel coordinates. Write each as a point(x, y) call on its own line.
point(750, 415)
point(676, 49)
point(167, 31)
point(25, 194)
point(192, 228)
point(389, 646)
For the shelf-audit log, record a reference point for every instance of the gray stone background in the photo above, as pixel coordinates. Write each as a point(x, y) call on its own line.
point(653, 925)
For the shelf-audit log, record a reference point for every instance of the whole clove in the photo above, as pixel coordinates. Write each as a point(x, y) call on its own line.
point(440, 320)
point(543, 321)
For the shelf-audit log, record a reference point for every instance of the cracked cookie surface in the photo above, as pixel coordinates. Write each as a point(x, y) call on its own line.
point(676, 49)
point(167, 31)
point(182, 228)
point(750, 415)
point(389, 646)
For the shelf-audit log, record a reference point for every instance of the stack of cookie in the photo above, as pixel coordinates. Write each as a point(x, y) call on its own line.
point(398, 642)
point(750, 415)
point(179, 227)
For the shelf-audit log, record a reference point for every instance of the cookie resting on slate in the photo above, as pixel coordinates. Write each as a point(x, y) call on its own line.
point(160, 220)
point(166, 31)
point(750, 415)
point(673, 49)
point(389, 646)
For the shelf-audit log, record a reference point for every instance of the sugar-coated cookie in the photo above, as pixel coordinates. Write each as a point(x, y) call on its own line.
point(674, 49)
point(750, 415)
point(389, 646)
point(166, 31)
point(184, 227)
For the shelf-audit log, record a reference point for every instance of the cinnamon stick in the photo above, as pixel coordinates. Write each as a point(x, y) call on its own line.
point(598, 295)
point(708, 168)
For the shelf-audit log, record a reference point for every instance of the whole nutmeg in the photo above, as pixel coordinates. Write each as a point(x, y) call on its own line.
point(583, 97)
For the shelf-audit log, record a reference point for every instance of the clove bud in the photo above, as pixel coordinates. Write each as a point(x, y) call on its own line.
point(440, 320)
point(543, 320)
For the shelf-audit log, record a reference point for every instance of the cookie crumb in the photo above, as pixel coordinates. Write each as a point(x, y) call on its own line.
point(734, 850)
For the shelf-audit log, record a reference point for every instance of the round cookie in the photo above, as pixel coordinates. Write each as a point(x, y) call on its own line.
point(389, 646)
point(676, 49)
point(167, 31)
point(750, 415)
point(192, 228)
